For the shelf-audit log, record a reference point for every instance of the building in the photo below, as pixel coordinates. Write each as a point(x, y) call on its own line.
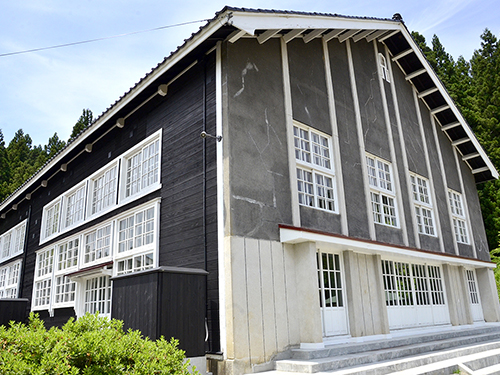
point(331, 194)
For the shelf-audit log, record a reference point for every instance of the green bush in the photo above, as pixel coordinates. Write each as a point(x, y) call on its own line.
point(89, 345)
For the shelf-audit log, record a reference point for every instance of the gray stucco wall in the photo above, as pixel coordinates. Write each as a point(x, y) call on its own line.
point(352, 171)
point(255, 140)
point(308, 84)
point(310, 106)
point(370, 99)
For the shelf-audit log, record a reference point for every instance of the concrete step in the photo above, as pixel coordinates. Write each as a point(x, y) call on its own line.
point(444, 362)
point(376, 356)
point(361, 347)
point(409, 352)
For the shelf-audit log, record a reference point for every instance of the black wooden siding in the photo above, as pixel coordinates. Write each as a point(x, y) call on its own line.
point(181, 239)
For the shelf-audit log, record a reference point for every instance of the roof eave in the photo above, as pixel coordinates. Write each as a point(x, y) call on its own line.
point(220, 20)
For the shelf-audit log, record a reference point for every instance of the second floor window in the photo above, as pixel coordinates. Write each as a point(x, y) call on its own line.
point(423, 204)
point(458, 217)
point(315, 174)
point(382, 191)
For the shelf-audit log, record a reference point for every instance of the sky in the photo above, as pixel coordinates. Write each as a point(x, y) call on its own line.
point(44, 92)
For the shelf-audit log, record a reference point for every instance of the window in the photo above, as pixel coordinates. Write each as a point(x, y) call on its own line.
point(436, 285)
point(382, 191)
point(458, 217)
point(97, 244)
point(137, 238)
point(12, 241)
point(315, 175)
point(471, 283)
point(6, 245)
point(43, 279)
point(330, 281)
point(136, 230)
point(423, 204)
point(75, 206)
point(67, 256)
point(51, 219)
point(103, 190)
point(65, 290)
point(45, 262)
point(9, 279)
point(141, 167)
point(98, 295)
point(384, 69)
point(136, 263)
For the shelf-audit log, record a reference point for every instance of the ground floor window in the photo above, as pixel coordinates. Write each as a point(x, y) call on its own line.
point(414, 294)
point(9, 279)
point(98, 295)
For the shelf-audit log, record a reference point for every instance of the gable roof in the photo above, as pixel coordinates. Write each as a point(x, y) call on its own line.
point(232, 24)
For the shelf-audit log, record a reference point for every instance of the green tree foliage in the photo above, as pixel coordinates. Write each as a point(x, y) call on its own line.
point(20, 159)
point(475, 87)
point(53, 146)
point(89, 345)
point(83, 122)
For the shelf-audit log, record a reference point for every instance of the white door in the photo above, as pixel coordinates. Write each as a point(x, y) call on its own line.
point(474, 300)
point(414, 295)
point(331, 294)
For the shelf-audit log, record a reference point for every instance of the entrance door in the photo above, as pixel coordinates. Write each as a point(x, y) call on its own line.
point(414, 295)
point(331, 294)
point(474, 300)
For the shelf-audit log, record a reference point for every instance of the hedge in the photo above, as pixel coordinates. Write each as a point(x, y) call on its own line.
point(88, 345)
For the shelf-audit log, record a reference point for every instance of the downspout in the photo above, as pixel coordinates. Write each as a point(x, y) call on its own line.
point(25, 251)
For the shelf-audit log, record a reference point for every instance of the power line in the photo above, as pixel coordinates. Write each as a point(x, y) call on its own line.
point(99, 39)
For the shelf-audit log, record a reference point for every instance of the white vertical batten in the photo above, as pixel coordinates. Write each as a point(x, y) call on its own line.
point(435, 211)
point(445, 181)
point(336, 144)
point(220, 197)
point(466, 206)
point(362, 150)
point(392, 150)
point(287, 93)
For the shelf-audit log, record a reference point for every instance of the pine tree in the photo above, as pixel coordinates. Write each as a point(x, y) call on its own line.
point(83, 122)
point(54, 145)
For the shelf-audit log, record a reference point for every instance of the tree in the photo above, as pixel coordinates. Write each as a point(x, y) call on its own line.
point(54, 145)
point(85, 120)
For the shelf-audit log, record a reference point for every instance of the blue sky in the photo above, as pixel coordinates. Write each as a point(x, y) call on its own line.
point(44, 92)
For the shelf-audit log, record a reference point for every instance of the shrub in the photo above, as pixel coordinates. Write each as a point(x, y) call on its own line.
point(89, 345)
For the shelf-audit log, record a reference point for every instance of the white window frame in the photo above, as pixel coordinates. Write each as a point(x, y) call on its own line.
point(314, 169)
point(112, 195)
point(384, 69)
point(44, 279)
point(97, 248)
point(10, 277)
point(83, 294)
point(125, 195)
point(68, 204)
point(459, 218)
point(382, 191)
point(422, 204)
point(51, 218)
point(66, 260)
point(129, 258)
point(117, 196)
point(12, 241)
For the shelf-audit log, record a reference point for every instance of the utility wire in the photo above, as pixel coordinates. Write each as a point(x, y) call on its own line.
point(99, 39)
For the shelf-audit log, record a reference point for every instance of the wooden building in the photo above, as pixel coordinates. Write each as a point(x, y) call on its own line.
point(281, 180)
